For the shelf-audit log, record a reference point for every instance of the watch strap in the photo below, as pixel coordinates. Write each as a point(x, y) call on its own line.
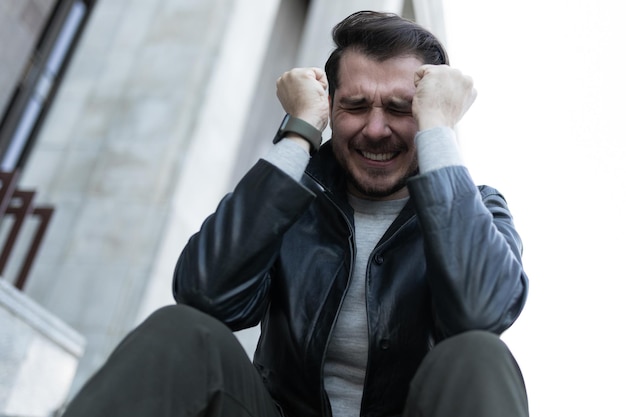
point(292, 124)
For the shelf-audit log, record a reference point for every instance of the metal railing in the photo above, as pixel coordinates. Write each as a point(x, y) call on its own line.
point(18, 206)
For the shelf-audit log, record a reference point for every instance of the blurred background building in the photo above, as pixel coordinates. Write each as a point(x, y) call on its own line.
point(130, 119)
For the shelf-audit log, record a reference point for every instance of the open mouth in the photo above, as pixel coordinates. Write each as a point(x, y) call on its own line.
point(379, 157)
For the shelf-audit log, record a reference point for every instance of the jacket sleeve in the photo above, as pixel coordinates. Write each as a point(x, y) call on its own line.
point(473, 253)
point(224, 268)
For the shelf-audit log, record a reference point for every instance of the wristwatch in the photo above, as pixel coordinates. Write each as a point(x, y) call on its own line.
point(292, 124)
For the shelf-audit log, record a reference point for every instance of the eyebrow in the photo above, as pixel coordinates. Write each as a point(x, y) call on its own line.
point(352, 101)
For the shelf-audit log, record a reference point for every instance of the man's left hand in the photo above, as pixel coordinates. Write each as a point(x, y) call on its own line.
point(442, 96)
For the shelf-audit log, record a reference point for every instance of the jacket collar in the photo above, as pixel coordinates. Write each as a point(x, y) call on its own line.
point(325, 170)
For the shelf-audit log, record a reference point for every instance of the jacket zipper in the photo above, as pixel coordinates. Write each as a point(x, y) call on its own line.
point(325, 400)
point(367, 288)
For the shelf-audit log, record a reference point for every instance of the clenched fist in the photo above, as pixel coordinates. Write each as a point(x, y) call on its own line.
point(302, 93)
point(442, 96)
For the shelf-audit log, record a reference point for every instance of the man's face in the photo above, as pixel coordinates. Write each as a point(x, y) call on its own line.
point(373, 126)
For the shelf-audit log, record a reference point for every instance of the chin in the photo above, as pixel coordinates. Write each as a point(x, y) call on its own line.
point(378, 191)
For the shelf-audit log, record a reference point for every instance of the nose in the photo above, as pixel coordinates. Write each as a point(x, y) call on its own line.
point(376, 124)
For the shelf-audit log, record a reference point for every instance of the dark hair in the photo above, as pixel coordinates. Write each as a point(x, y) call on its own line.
point(381, 36)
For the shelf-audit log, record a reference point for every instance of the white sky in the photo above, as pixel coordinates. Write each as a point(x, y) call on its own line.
point(547, 131)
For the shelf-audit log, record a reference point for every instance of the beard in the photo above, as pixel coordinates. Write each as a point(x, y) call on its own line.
point(369, 189)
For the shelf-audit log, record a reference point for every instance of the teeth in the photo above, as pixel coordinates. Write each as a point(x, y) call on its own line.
point(378, 156)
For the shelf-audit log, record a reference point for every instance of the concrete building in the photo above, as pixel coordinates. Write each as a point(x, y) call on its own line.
point(162, 108)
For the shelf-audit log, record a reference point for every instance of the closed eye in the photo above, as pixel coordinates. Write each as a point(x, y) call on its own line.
point(353, 104)
point(401, 111)
point(355, 109)
point(400, 106)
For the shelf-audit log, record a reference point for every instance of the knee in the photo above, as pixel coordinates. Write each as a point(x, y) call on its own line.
point(182, 323)
point(476, 344)
point(475, 368)
point(473, 351)
point(175, 314)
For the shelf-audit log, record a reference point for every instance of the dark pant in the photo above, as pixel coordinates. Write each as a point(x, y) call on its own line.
point(181, 362)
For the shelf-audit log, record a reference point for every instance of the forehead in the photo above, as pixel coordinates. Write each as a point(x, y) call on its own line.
point(360, 75)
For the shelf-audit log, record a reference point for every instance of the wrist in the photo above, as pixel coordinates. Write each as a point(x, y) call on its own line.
point(428, 121)
point(298, 129)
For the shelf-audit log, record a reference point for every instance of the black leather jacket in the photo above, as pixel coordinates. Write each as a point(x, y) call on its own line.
point(281, 252)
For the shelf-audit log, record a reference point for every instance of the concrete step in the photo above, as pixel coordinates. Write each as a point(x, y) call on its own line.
point(38, 356)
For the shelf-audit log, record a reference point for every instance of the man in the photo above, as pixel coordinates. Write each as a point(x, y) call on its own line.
point(380, 274)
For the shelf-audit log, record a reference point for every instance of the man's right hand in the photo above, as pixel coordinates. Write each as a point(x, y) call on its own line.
point(302, 93)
